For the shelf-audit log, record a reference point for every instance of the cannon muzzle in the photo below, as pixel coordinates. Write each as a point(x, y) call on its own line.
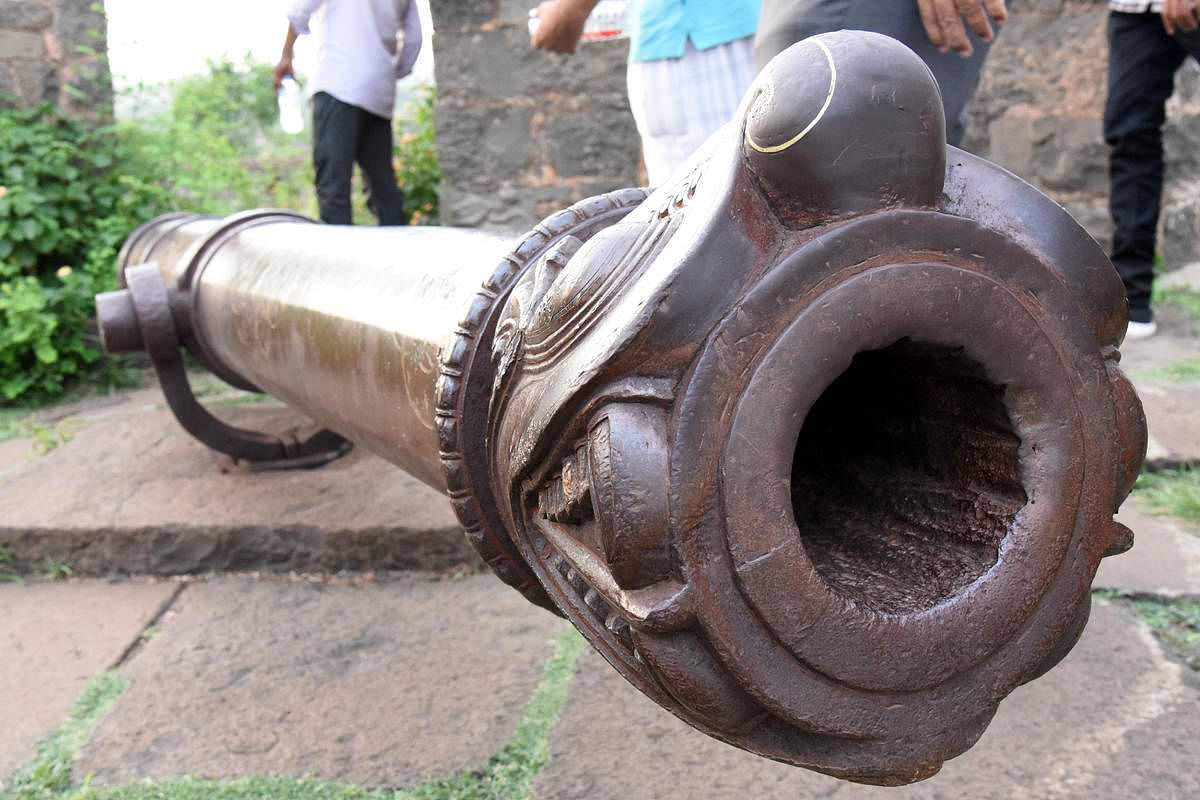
point(819, 444)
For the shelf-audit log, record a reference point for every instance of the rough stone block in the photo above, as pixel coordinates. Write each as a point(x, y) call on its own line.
point(498, 63)
point(24, 16)
point(1043, 64)
point(1180, 243)
point(132, 492)
point(1069, 154)
point(1092, 214)
point(596, 68)
point(510, 209)
point(593, 143)
point(516, 11)
point(452, 16)
point(1181, 147)
point(1010, 144)
point(21, 44)
point(484, 64)
point(80, 24)
point(31, 81)
point(92, 85)
point(55, 636)
point(383, 684)
point(492, 141)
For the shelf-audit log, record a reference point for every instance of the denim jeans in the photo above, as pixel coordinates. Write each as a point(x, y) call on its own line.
point(342, 135)
point(1142, 61)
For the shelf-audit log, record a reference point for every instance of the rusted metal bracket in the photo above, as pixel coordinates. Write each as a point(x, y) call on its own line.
point(143, 317)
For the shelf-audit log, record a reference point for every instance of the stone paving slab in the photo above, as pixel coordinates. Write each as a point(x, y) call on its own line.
point(1114, 720)
point(54, 636)
point(383, 684)
point(1172, 422)
point(1164, 559)
point(1172, 409)
point(132, 492)
point(1186, 277)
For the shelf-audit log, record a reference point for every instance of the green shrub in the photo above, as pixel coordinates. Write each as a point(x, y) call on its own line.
point(65, 207)
point(218, 148)
point(417, 168)
point(70, 194)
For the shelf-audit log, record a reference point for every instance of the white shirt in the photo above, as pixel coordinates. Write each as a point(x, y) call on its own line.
point(1136, 7)
point(363, 47)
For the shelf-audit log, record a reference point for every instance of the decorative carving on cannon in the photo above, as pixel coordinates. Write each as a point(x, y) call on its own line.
point(819, 445)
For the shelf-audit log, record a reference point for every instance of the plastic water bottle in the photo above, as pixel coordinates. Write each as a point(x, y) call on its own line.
point(291, 106)
point(607, 21)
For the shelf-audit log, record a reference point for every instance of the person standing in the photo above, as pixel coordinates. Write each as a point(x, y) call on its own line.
point(363, 47)
point(690, 62)
point(1147, 43)
point(951, 36)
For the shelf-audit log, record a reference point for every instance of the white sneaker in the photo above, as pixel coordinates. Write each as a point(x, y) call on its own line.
point(1140, 330)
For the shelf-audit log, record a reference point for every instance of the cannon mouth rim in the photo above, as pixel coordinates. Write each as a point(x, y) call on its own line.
point(834, 631)
point(897, 691)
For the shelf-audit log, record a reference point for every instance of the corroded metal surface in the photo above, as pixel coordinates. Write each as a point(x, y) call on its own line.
point(819, 444)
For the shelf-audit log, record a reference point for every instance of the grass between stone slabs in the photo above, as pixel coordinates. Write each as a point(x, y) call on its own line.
point(1175, 492)
point(1185, 299)
point(1174, 620)
point(49, 774)
point(508, 776)
point(1185, 371)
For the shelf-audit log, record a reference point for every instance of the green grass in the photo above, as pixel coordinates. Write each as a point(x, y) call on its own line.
point(1173, 491)
point(46, 437)
point(1185, 371)
point(1185, 299)
point(508, 776)
point(6, 560)
point(53, 569)
point(1174, 620)
point(235, 399)
point(49, 774)
point(17, 423)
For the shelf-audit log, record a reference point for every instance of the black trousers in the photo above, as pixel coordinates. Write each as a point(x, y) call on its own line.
point(1142, 61)
point(342, 135)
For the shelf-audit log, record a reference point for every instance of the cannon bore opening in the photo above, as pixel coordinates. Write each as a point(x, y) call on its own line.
point(906, 477)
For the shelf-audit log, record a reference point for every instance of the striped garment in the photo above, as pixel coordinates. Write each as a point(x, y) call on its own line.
point(1134, 7)
point(677, 103)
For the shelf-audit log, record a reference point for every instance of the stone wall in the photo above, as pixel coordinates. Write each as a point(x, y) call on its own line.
point(522, 133)
point(1038, 113)
point(54, 51)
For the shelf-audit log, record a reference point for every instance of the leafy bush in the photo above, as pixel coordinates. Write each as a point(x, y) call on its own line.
point(70, 194)
point(217, 148)
point(64, 210)
point(417, 168)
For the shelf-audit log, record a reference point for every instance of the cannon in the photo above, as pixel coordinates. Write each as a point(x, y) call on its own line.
point(819, 444)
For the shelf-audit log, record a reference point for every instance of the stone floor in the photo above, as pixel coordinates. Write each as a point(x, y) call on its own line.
point(388, 678)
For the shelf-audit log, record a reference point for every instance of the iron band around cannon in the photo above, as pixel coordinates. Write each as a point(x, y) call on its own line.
point(819, 445)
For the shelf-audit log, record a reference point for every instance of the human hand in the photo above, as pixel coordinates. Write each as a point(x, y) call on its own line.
point(1180, 16)
point(560, 25)
point(943, 21)
point(282, 70)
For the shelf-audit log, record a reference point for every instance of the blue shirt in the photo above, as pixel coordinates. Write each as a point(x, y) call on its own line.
point(660, 28)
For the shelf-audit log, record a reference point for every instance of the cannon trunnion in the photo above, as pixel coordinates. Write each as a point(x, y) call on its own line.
point(819, 445)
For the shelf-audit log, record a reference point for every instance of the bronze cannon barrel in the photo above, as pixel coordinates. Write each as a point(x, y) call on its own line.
point(819, 444)
point(344, 324)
